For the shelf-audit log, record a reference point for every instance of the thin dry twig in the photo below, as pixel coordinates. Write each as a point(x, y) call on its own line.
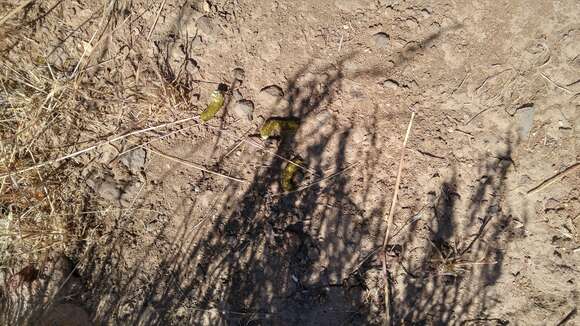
point(461, 83)
point(194, 165)
point(391, 214)
point(568, 317)
point(556, 84)
point(15, 11)
point(553, 179)
point(156, 20)
point(239, 142)
point(477, 115)
point(88, 47)
point(156, 139)
point(91, 148)
point(48, 197)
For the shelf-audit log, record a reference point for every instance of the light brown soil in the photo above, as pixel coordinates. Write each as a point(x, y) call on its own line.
point(154, 241)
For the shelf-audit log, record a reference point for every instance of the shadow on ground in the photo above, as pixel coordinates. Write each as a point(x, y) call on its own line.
point(261, 257)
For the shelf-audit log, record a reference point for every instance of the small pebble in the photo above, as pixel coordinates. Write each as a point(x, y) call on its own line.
point(239, 73)
point(390, 84)
point(244, 109)
point(205, 6)
point(134, 160)
point(412, 24)
point(381, 40)
point(270, 95)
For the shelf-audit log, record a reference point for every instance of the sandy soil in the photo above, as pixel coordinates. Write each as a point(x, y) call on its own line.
point(495, 85)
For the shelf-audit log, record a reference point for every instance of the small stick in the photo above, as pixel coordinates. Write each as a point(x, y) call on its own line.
point(90, 148)
point(391, 213)
point(15, 11)
point(461, 84)
point(553, 179)
point(155, 140)
point(397, 182)
point(556, 84)
point(476, 115)
point(43, 185)
point(193, 165)
point(156, 19)
point(568, 317)
point(247, 141)
point(90, 43)
point(240, 141)
point(233, 149)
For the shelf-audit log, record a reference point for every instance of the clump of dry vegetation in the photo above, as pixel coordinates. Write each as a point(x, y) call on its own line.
point(33, 205)
point(56, 99)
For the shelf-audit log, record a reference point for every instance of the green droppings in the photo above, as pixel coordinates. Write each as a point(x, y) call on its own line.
point(279, 127)
point(289, 173)
point(216, 101)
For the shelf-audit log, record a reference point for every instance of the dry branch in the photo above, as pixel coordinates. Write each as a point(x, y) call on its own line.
point(91, 148)
point(390, 218)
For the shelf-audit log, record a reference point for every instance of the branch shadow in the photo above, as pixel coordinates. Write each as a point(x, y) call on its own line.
point(450, 281)
point(261, 257)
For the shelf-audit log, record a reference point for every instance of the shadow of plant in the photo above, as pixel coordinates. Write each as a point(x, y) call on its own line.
point(451, 280)
point(262, 257)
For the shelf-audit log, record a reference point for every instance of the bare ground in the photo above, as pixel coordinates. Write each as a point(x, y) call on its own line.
point(133, 232)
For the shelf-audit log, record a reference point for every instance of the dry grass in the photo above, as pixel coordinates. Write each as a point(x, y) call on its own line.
point(28, 202)
point(65, 86)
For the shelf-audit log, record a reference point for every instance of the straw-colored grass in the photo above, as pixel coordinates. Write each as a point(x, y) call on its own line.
point(53, 102)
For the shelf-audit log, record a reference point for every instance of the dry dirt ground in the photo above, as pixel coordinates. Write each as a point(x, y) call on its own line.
point(133, 232)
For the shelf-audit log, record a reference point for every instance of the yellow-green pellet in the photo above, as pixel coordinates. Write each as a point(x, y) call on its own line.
point(279, 127)
point(216, 101)
point(288, 174)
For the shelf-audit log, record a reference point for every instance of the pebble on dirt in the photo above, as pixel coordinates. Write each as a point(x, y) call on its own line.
point(134, 160)
point(390, 84)
point(270, 95)
point(381, 40)
point(244, 109)
point(239, 74)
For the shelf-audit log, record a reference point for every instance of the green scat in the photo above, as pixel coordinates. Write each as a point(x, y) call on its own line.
point(216, 101)
point(288, 174)
point(279, 127)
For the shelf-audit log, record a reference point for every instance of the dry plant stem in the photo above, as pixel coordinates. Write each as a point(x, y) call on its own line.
point(156, 20)
point(156, 139)
point(568, 317)
point(85, 48)
point(15, 11)
point(553, 179)
point(247, 141)
point(262, 147)
point(239, 142)
point(193, 165)
point(391, 214)
point(556, 84)
point(43, 185)
point(88, 149)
